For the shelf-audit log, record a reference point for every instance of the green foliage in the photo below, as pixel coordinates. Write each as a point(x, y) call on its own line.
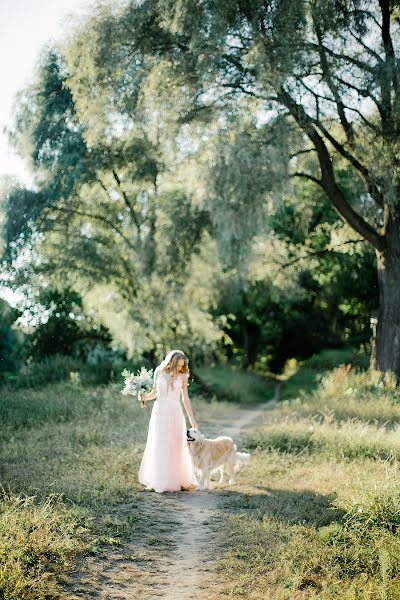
point(329, 359)
point(67, 329)
point(235, 385)
point(9, 341)
point(58, 367)
point(102, 227)
point(162, 133)
point(49, 369)
point(8, 345)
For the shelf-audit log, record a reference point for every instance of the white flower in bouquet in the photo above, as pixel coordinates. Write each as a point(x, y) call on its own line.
point(135, 384)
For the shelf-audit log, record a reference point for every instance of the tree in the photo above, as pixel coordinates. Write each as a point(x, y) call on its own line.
point(107, 220)
point(329, 70)
point(65, 330)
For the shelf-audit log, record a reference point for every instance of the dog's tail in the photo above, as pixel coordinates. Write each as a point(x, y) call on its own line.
point(242, 457)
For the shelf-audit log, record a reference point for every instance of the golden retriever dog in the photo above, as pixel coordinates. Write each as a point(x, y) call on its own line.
point(209, 456)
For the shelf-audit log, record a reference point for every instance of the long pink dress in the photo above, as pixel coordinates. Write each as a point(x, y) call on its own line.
point(166, 463)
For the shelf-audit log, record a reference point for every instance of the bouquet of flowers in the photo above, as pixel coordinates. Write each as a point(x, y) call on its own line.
point(135, 384)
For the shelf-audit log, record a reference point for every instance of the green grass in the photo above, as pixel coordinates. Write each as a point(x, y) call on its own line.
point(307, 375)
point(69, 460)
point(232, 384)
point(36, 540)
point(316, 514)
point(60, 402)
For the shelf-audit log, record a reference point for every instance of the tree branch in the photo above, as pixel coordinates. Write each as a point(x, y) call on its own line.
point(97, 218)
point(300, 152)
point(366, 48)
point(347, 126)
point(307, 176)
point(327, 174)
point(363, 93)
point(319, 252)
point(344, 57)
point(362, 169)
point(127, 201)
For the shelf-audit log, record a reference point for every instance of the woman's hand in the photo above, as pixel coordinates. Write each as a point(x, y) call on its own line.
point(142, 397)
point(195, 425)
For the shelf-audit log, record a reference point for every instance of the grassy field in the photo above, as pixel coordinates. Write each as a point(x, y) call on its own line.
point(317, 513)
point(69, 460)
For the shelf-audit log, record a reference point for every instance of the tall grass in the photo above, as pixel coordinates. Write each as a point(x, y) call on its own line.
point(62, 401)
point(347, 440)
point(305, 377)
point(316, 514)
point(37, 541)
point(69, 460)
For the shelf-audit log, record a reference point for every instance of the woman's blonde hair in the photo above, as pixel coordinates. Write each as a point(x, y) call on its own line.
point(172, 366)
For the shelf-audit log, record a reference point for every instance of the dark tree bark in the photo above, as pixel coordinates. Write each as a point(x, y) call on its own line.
point(388, 329)
point(386, 243)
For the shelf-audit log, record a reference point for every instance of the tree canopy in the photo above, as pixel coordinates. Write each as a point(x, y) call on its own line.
point(189, 159)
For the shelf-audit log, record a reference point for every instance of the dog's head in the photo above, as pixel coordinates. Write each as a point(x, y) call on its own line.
point(193, 435)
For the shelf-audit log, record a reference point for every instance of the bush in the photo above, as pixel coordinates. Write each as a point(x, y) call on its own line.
point(50, 369)
point(235, 385)
point(8, 347)
point(329, 359)
point(58, 367)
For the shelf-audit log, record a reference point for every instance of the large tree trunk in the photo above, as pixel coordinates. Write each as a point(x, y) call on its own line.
point(388, 329)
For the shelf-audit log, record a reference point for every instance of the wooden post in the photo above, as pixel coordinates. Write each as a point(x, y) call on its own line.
point(374, 323)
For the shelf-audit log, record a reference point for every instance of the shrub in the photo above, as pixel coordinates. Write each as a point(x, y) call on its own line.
point(50, 369)
point(378, 508)
point(58, 367)
point(235, 385)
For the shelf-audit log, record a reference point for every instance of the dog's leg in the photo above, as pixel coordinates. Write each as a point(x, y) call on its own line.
point(231, 471)
point(221, 474)
point(207, 478)
point(203, 478)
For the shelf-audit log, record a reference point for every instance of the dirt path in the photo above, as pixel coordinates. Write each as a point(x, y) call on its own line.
point(174, 555)
point(191, 569)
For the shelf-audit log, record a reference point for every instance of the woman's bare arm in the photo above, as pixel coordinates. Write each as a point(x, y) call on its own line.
point(152, 395)
point(187, 404)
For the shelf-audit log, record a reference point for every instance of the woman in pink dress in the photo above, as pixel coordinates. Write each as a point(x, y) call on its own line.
point(166, 463)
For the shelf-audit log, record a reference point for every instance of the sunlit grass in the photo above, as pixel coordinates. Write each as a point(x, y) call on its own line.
point(37, 540)
point(316, 514)
point(69, 458)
